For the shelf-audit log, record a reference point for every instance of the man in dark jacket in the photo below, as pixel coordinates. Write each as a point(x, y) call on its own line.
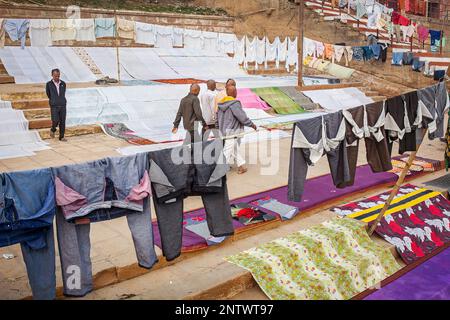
point(231, 119)
point(191, 113)
point(56, 93)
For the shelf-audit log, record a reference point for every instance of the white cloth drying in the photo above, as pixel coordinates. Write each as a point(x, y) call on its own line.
point(271, 51)
point(226, 42)
point(239, 50)
point(145, 33)
point(250, 51)
point(85, 29)
point(210, 41)
point(193, 39)
point(292, 55)
point(178, 37)
point(40, 35)
point(164, 36)
point(260, 51)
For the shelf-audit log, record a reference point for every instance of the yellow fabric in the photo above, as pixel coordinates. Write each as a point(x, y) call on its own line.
point(63, 29)
point(222, 94)
point(227, 98)
point(396, 209)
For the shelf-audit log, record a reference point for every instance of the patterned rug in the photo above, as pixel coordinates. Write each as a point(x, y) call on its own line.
point(180, 81)
point(278, 100)
point(334, 260)
point(121, 131)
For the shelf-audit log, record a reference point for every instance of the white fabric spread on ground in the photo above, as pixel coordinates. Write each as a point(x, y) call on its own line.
point(165, 63)
point(338, 99)
point(15, 138)
point(33, 64)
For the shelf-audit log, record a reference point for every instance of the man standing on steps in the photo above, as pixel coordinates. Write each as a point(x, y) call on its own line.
point(56, 93)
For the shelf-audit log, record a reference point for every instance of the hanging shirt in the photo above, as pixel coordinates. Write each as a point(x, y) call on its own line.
point(17, 29)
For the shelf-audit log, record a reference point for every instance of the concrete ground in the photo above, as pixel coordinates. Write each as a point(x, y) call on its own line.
point(112, 247)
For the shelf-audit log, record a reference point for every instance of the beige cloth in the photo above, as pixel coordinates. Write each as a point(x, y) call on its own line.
point(125, 28)
point(63, 29)
point(2, 33)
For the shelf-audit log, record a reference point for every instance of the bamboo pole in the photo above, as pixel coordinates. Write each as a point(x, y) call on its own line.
point(117, 45)
point(397, 186)
point(301, 10)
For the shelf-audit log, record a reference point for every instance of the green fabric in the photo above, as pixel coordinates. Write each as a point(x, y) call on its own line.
point(278, 100)
point(334, 260)
point(339, 71)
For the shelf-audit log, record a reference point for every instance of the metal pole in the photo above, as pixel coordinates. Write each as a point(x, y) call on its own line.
point(301, 10)
point(397, 186)
point(117, 45)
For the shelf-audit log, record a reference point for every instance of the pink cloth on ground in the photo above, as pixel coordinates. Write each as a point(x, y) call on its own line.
point(249, 99)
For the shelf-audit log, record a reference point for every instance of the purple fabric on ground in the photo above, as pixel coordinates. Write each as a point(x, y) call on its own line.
point(317, 190)
point(429, 281)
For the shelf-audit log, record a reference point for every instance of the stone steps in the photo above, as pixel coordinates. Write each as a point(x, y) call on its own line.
point(72, 131)
point(30, 104)
point(4, 79)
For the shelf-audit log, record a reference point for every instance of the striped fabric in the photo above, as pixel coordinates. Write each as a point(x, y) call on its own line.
point(278, 100)
point(332, 261)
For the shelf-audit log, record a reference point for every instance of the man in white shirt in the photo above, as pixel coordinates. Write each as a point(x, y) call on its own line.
point(207, 102)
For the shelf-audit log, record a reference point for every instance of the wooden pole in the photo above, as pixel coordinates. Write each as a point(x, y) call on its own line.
point(301, 10)
point(117, 45)
point(397, 186)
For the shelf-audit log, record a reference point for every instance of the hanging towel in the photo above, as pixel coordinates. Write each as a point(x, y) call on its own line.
point(2, 33)
point(125, 28)
point(145, 33)
point(349, 53)
point(63, 29)
point(282, 50)
point(435, 35)
point(226, 42)
point(292, 55)
point(250, 51)
point(360, 10)
point(338, 53)
point(85, 29)
point(17, 29)
point(271, 51)
point(40, 35)
point(309, 47)
point(193, 39)
point(329, 50)
point(105, 28)
point(239, 52)
point(210, 41)
point(260, 51)
point(178, 37)
point(358, 53)
point(422, 33)
point(164, 37)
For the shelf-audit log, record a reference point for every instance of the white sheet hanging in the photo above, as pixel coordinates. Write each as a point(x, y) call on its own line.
point(226, 42)
point(338, 99)
point(193, 39)
point(239, 50)
point(260, 51)
point(271, 51)
point(178, 37)
point(145, 33)
point(292, 55)
point(282, 50)
point(250, 51)
point(85, 29)
point(164, 36)
point(40, 35)
point(125, 28)
point(210, 41)
point(63, 29)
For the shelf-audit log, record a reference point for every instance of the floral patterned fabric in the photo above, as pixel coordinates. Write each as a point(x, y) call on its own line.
point(419, 229)
point(334, 260)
